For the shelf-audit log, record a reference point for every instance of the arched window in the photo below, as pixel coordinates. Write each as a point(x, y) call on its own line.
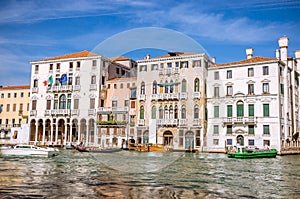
point(183, 112)
point(142, 113)
point(171, 87)
point(166, 110)
point(161, 112)
point(153, 112)
point(62, 102)
point(176, 112)
point(183, 86)
point(143, 88)
point(166, 87)
point(154, 88)
point(171, 113)
point(196, 85)
point(161, 88)
point(93, 79)
point(196, 112)
point(240, 108)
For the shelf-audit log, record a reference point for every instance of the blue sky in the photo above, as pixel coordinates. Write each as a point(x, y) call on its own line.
point(33, 30)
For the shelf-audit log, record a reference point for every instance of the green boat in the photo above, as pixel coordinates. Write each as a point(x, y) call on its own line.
point(246, 153)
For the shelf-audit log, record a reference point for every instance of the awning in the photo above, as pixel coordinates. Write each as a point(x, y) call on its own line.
point(169, 84)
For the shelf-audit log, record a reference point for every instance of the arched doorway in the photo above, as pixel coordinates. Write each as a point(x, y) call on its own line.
point(82, 130)
point(74, 137)
point(61, 131)
point(168, 138)
point(48, 131)
point(40, 130)
point(32, 130)
point(91, 131)
point(240, 140)
point(189, 140)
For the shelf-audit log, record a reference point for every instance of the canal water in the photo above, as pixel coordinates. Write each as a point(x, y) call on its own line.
point(129, 174)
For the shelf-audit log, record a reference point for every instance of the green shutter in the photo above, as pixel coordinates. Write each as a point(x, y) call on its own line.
point(251, 110)
point(216, 111)
point(266, 110)
point(240, 110)
point(229, 110)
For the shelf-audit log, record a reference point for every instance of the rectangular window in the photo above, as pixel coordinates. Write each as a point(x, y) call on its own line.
point(133, 94)
point(229, 74)
point(132, 104)
point(282, 89)
point(169, 65)
point(22, 94)
point(48, 106)
point(251, 110)
point(7, 107)
point(14, 107)
point(250, 89)
point(216, 111)
point(154, 67)
point(251, 142)
point(8, 95)
point(50, 67)
point(266, 110)
point(76, 103)
point(216, 75)
point(229, 141)
point(229, 110)
point(184, 64)
point(197, 63)
point(250, 72)
point(58, 67)
point(216, 91)
point(251, 129)
point(216, 141)
point(265, 87)
point(94, 63)
point(266, 142)
point(15, 95)
point(240, 110)
point(92, 103)
point(229, 90)
point(33, 104)
point(36, 69)
point(216, 129)
point(2, 95)
point(117, 70)
point(21, 107)
point(78, 65)
point(126, 103)
point(114, 103)
point(229, 129)
point(70, 66)
point(77, 80)
point(265, 70)
point(93, 79)
point(266, 129)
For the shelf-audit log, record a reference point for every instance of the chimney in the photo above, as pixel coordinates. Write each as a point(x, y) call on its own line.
point(213, 59)
point(249, 53)
point(147, 56)
point(283, 44)
point(277, 54)
point(297, 54)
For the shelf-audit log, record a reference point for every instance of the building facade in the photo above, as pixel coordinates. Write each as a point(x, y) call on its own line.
point(254, 102)
point(171, 98)
point(65, 95)
point(14, 106)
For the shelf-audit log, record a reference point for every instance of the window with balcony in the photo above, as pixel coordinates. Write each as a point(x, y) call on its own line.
point(153, 112)
point(171, 87)
point(229, 90)
point(251, 129)
point(229, 74)
point(133, 93)
point(216, 111)
point(266, 110)
point(183, 86)
point(196, 85)
point(265, 87)
point(216, 129)
point(196, 112)
point(142, 112)
point(251, 110)
point(48, 105)
point(143, 88)
point(265, 70)
point(216, 91)
point(216, 75)
point(250, 89)
point(183, 112)
point(166, 87)
point(266, 129)
point(229, 129)
point(250, 72)
point(229, 110)
point(62, 101)
point(240, 109)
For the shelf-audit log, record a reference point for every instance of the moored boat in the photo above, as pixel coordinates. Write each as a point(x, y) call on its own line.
point(28, 150)
point(97, 150)
point(246, 153)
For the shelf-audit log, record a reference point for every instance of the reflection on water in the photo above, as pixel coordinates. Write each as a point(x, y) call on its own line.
point(148, 175)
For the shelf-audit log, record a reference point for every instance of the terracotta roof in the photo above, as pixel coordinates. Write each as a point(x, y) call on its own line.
point(14, 87)
point(246, 61)
point(84, 53)
point(121, 58)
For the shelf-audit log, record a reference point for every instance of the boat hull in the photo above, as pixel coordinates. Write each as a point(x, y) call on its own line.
point(30, 151)
point(247, 155)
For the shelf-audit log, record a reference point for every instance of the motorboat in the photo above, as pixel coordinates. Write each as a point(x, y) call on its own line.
point(248, 152)
point(28, 150)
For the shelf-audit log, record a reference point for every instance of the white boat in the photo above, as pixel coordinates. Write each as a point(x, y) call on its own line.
point(28, 150)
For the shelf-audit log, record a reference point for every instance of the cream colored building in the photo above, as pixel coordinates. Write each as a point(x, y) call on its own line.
point(14, 102)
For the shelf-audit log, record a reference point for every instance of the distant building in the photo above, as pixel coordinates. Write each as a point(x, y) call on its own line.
point(14, 106)
point(254, 102)
point(65, 95)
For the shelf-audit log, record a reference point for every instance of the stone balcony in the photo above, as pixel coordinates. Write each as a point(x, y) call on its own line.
point(62, 88)
point(167, 122)
point(240, 120)
point(114, 110)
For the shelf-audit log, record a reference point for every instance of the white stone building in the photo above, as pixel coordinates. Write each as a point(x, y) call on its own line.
point(253, 102)
point(171, 100)
point(65, 95)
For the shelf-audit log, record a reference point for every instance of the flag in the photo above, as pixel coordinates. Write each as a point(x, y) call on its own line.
point(49, 81)
point(63, 78)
